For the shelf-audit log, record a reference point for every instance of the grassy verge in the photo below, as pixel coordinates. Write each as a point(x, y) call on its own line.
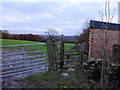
point(52, 80)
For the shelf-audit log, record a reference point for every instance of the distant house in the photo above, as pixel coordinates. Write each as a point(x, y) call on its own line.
point(97, 38)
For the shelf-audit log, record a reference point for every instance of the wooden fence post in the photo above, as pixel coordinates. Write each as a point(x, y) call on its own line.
point(68, 56)
point(82, 52)
point(50, 55)
point(62, 52)
point(55, 59)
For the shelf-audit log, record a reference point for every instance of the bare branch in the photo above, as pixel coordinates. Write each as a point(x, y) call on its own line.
point(51, 33)
point(101, 14)
point(113, 15)
point(108, 11)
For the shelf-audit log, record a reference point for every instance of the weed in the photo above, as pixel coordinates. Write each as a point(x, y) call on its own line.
point(91, 82)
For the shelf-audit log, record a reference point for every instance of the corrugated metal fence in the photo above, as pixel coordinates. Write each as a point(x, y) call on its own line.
point(20, 60)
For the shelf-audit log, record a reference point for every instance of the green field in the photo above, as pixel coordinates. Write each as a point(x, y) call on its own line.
point(6, 42)
point(69, 46)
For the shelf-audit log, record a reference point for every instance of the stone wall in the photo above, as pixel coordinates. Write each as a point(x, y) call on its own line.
point(97, 42)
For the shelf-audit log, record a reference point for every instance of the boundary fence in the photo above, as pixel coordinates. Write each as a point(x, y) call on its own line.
point(25, 64)
point(31, 62)
point(57, 54)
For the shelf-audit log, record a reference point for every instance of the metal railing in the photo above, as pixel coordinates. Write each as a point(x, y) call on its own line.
point(13, 65)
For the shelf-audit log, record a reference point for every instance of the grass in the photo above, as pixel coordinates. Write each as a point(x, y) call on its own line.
point(53, 80)
point(7, 42)
point(48, 79)
point(69, 46)
point(71, 81)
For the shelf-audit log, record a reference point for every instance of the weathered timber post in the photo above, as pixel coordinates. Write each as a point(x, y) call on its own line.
point(82, 52)
point(55, 59)
point(50, 55)
point(62, 52)
point(68, 56)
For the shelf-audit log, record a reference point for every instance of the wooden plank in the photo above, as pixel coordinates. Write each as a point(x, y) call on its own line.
point(55, 59)
point(71, 51)
point(50, 55)
point(71, 54)
point(62, 52)
point(82, 52)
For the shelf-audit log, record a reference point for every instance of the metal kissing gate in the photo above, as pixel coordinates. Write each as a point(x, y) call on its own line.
point(19, 60)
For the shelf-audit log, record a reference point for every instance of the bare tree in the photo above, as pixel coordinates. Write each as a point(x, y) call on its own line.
point(105, 56)
point(51, 32)
point(84, 36)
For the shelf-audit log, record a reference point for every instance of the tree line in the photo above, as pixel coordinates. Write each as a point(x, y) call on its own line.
point(51, 34)
point(29, 37)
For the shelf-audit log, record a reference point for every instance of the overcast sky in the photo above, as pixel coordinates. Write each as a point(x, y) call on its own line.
point(67, 17)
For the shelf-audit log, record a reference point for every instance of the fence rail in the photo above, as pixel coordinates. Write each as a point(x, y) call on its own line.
point(12, 65)
point(71, 51)
point(22, 45)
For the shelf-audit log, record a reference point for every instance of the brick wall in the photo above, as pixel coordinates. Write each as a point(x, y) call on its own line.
point(119, 36)
point(97, 42)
